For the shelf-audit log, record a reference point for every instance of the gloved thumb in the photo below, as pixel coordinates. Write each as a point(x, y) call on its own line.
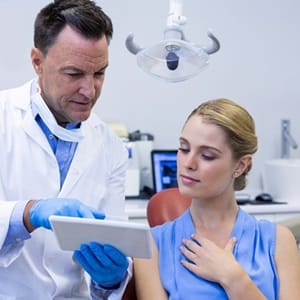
point(98, 215)
point(90, 212)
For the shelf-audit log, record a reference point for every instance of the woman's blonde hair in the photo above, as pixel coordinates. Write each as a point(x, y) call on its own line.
point(238, 126)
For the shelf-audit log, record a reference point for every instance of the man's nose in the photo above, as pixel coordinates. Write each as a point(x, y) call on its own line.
point(88, 88)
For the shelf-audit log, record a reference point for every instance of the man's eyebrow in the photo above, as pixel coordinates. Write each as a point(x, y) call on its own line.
point(71, 68)
point(75, 69)
point(103, 68)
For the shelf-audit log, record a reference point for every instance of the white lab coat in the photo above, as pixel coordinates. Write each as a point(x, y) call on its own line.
point(37, 268)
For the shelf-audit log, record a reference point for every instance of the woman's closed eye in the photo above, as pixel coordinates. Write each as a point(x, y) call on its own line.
point(205, 156)
point(208, 156)
point(184, 150)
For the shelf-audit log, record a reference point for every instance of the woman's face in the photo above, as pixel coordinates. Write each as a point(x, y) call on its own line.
point(205, 165)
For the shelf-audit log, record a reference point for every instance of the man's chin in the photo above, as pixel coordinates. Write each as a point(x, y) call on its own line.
point(81, 117)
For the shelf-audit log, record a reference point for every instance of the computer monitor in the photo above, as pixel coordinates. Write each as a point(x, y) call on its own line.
point(164, 169)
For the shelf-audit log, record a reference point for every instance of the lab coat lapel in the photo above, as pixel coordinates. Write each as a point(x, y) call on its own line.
point(33, 130)
point(82, 160)
point(21, 100)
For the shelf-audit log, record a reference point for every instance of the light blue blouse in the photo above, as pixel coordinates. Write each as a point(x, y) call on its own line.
point(254, 250)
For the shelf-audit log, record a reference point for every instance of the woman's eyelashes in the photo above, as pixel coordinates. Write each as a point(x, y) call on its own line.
point(184, 150)
point(207, 157)
point(204, 155)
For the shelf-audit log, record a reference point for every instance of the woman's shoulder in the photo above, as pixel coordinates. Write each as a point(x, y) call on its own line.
point(251, 228)
point(252, 220)
point(285, 236)
point(169, 227)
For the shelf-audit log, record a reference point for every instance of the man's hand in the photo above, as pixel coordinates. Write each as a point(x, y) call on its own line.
point(105, 264)
point(38, 212)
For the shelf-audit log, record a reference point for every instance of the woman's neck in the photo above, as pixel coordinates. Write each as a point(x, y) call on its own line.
point(214, 221)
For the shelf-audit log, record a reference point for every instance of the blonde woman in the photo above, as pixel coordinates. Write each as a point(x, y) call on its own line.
point(215, 250)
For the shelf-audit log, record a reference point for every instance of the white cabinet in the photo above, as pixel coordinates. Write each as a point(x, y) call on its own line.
point(273, 212)
point(136, 211)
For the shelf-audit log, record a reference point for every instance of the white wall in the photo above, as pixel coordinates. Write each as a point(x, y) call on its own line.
point(257, 66)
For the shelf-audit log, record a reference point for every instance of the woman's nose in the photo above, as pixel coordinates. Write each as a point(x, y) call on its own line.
point(190, 161)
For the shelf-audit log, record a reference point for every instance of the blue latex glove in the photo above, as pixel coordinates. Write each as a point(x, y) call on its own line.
point(106, 264)
point(42, 209)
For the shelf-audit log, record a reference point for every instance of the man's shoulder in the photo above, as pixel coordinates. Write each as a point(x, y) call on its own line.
point(19, 95)
point(95, 121)
point(100, 128)
point(23, 87)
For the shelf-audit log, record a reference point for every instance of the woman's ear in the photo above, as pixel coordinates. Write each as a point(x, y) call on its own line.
point(242, 165)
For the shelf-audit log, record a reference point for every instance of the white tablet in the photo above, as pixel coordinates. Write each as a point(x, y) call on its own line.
point(133, 239)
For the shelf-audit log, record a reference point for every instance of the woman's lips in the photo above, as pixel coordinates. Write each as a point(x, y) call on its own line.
point(188, 180)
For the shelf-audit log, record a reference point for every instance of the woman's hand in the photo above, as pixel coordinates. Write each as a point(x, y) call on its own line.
point(209, 261)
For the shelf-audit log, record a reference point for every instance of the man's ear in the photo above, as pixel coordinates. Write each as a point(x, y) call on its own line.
point(242, 165)
point(36, 60)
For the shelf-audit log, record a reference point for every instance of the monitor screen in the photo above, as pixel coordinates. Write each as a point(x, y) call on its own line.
point(164, 169)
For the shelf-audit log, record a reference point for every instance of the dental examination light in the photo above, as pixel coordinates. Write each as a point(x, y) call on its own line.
point(174, 59)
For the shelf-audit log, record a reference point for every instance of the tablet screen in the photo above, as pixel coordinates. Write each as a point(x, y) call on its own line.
point(133, 239)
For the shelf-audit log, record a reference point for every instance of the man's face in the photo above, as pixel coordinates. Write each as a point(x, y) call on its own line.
point(71, 75)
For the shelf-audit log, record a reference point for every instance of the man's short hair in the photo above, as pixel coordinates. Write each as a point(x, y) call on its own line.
point(84, 16)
